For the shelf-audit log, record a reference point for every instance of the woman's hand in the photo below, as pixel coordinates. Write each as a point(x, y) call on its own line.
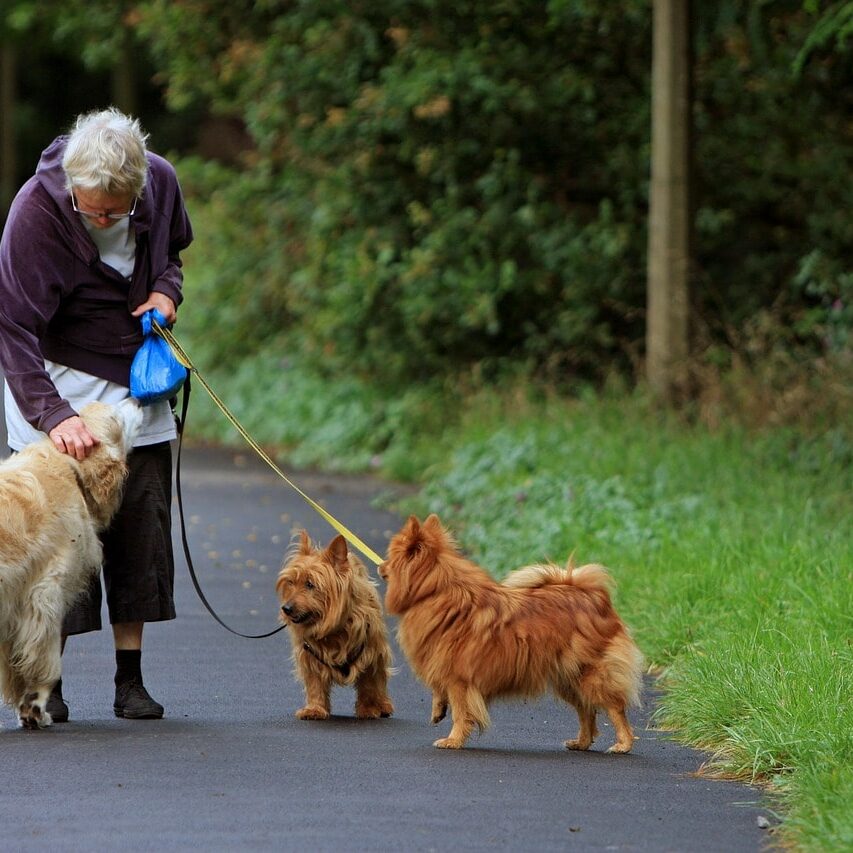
point(71, 436)
point(162, 303)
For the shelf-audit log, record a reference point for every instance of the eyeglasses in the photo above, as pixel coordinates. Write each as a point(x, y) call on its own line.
point(91, 214)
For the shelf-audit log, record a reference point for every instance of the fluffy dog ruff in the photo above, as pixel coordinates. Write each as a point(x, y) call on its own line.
point(471, 639)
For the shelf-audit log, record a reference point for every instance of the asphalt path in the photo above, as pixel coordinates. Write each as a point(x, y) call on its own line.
point(230, 768)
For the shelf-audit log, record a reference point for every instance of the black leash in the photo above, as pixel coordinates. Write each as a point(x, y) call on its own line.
point(181, 426)
point(343, 668)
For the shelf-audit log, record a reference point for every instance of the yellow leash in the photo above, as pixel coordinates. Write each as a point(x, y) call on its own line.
point(185, 360)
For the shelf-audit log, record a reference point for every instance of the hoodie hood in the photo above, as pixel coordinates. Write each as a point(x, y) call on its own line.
point(51, 175)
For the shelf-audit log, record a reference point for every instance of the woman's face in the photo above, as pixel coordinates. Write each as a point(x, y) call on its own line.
point(100, 208)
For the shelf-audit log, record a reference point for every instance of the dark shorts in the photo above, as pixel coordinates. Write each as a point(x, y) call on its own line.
point(139, 568)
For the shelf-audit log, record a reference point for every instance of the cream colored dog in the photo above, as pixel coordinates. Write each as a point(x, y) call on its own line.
point(52, 508)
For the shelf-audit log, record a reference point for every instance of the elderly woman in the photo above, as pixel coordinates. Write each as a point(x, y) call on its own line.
point(91, 243)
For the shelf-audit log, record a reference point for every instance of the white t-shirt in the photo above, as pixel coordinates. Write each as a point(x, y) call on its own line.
point(116, 244)
point(117, 248)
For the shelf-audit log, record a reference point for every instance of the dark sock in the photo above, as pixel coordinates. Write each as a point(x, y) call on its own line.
point(57, 688)
point(128, 666)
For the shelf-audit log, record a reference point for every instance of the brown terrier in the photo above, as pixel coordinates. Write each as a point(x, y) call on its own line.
point(471, 639)
point(335, 622)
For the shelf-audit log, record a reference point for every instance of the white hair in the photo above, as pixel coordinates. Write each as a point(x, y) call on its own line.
point(106, 152)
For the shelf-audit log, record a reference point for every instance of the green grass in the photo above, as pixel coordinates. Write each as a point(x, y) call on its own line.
point(733, 551)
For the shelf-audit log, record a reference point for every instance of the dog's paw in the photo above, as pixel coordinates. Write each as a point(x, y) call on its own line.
point(374, 710)
point(312, 712)
point(577, 743)
point(439, 711)
point(367, 712)
point(621, 748)
point(32, 715)
point(448, 743)
point(386, 707)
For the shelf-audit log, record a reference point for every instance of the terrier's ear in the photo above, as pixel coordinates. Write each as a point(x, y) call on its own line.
point(304, 542)
point(337, 554)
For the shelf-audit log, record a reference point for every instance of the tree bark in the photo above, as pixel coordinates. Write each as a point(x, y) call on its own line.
point(667, 345)
point(124, 77)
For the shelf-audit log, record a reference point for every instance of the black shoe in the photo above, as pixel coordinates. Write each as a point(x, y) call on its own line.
point(56, 706)
point(133, 703)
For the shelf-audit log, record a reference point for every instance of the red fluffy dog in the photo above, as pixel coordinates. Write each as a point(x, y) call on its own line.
point(471, 639)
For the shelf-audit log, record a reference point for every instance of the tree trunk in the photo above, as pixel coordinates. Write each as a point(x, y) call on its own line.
point(669, 202)
point(124, 77)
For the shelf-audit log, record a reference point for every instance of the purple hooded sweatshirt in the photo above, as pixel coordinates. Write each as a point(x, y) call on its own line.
point(58, 301)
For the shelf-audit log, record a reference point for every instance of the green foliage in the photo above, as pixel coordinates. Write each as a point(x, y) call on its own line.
point(827, 291)
point(437, 186)
point(95, 31)
point(834, 25)
point(234, 307)
point(431, 179)
point(768, 193)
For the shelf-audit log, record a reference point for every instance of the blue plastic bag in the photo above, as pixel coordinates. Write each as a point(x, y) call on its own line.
point(155, 373)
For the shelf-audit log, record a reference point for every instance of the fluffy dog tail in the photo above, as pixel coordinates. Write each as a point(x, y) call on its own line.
point(625, 665)
point(592, 576)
